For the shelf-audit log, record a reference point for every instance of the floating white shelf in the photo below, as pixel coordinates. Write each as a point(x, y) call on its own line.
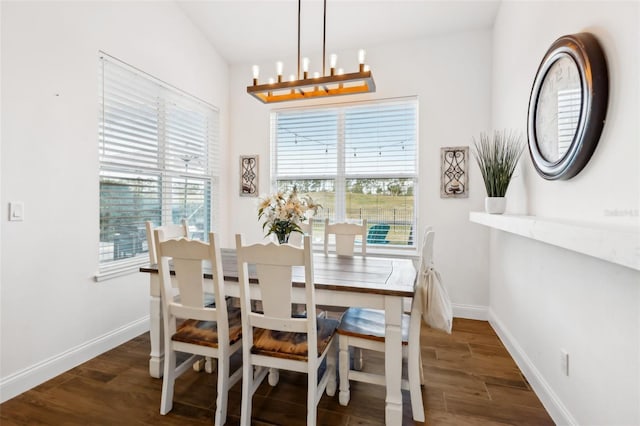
point(616, 244)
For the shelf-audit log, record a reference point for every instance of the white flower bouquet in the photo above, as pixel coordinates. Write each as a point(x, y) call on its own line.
point(283, 213)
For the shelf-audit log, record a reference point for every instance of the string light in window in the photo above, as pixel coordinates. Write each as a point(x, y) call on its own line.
point(391, 147)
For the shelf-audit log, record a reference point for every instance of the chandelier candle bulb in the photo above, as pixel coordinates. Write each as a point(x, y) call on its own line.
point(361, 55)
point(271, 81)
point(279, 67)
point(333, 60)
point(305, 68)
point(256, 74)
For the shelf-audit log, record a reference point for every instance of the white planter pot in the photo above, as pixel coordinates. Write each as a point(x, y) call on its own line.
point(495, 205)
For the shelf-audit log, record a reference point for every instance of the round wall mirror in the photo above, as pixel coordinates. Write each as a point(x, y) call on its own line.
point(568, 105)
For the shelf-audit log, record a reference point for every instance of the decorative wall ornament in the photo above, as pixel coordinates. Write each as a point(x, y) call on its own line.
point(453, 177)
point(248, 175)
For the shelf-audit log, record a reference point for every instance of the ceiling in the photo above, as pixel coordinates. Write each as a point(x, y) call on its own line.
point(245, 31)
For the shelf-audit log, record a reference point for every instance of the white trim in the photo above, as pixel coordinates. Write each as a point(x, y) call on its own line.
point(36, 374)
point(552, 403)
point(474, 312)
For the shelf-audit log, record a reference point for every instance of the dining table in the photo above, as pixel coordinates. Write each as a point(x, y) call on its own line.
point(341, 281)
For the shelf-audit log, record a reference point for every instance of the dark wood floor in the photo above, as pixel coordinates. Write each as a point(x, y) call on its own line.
point(470, 380)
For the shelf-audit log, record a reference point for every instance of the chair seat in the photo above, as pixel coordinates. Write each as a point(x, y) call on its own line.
point(369, 324)
point(205, 333)
point(290, 345)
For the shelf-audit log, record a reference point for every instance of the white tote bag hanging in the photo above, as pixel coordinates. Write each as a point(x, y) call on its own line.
point(436, 305)
point(432, 295)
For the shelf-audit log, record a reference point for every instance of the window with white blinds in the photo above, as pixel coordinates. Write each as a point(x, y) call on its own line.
point(158, 148)
point(359, 161)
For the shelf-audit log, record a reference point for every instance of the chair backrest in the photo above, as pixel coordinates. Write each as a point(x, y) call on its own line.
point(426, 262)
point(345, 234)
point(417, 304)
point(170, 231)
point(296, 238)
point(274, 267)
point(189, 257)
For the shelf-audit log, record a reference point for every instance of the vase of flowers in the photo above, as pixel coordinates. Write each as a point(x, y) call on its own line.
point(497, 158)
point(284, 212)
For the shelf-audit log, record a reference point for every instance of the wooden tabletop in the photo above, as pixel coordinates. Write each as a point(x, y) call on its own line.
point(377, 275)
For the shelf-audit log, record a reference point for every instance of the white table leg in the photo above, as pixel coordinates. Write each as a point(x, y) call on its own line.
point(156, 362)
point(393, 359)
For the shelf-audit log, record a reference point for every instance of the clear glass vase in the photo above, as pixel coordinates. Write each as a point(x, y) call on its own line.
point(283, 237)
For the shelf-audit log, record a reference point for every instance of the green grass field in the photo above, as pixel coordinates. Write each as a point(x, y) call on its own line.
point(397, 211)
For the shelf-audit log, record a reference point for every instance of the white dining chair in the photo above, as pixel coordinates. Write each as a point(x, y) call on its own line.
point(209, 331)
point(345, 237)
point(274, 339)
point(364, 329)
point(170, 231)
point(296, 238)
point(175, 231)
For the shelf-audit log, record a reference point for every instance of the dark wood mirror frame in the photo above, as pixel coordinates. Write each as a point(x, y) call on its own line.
point(585, 50)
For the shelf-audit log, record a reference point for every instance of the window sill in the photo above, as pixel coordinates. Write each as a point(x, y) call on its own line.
point(609, 242)
point(121, 269)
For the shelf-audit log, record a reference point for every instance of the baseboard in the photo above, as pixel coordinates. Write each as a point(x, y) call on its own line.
point(32, 376)
point(476, 312)
point(551, 402)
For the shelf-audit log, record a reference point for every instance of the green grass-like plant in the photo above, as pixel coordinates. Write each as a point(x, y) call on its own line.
point(497, 158)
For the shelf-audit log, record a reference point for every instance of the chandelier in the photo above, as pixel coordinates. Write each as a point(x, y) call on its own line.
point(305, 86)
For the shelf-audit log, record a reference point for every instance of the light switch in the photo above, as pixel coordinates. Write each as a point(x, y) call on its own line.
point(16, 211)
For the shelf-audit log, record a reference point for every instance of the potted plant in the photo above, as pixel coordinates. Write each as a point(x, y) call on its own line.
point(283, 213)
point(497, 158)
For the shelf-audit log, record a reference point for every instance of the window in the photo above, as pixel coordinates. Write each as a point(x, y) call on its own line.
point(157, 150)
point(569, 104)
point(358, 161)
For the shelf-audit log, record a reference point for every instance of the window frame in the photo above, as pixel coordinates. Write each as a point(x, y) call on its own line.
point(340, 179)
point(166, 174)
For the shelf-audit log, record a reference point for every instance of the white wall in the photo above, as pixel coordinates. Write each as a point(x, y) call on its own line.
point(544, 299)
point(53, 313)
point(450, 75)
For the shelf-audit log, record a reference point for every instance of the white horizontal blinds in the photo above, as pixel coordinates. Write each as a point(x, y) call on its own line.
point(380, 169)
point(158, 151)
point(188, 128)
point(306, 144)
point(380, 140)
point(129, 119)
point(358, 161)
point(305, 153)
